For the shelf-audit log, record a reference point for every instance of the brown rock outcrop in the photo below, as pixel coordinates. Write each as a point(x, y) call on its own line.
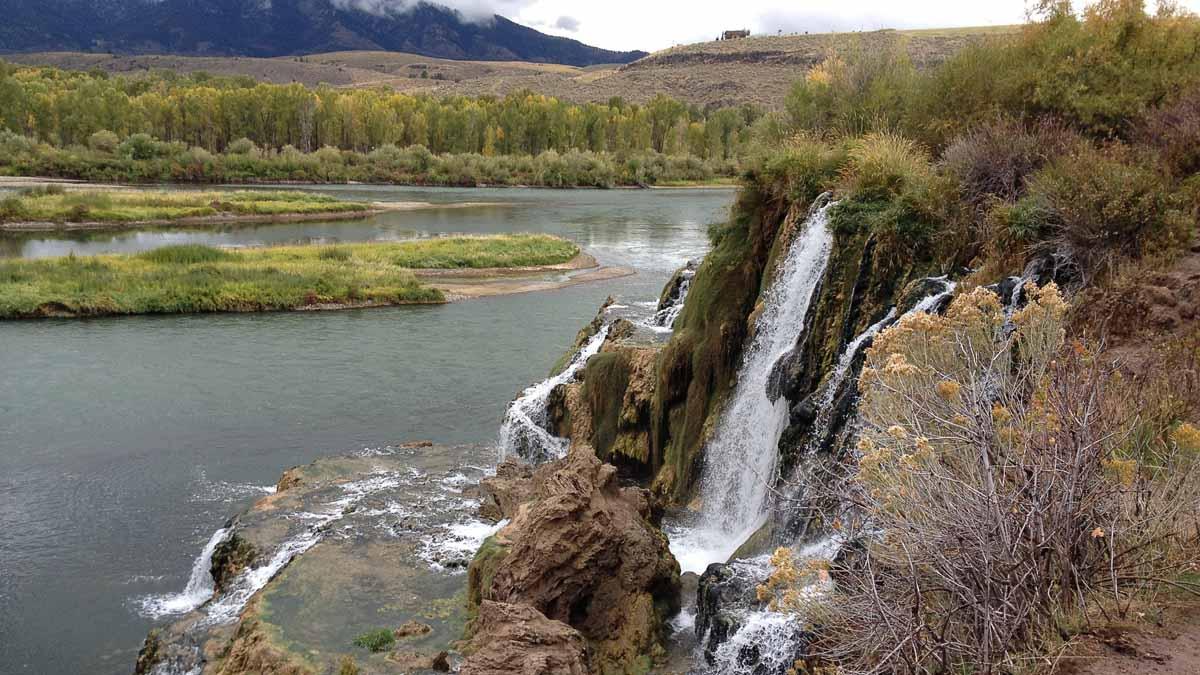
point(584, 551)
point(506, 491)
point(519, 640)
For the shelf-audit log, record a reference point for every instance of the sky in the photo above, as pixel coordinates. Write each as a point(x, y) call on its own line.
point(657, 24)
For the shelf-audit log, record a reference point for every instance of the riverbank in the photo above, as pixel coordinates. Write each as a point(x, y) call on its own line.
point(194, 278)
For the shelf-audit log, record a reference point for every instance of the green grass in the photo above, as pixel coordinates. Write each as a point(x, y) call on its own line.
point(379, 640)
point(522, 250)
point(194, 278)
point(124, 206)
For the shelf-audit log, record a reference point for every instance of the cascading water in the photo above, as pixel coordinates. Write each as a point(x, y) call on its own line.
point(740, 459)
point(664, 318)
point(198, 590)
point(763, 641)
point(524, 432)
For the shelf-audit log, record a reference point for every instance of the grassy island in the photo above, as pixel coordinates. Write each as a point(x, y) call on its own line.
point(38, 208)
point(195, 278)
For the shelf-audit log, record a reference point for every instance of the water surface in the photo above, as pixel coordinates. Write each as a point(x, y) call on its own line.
point(125, 442)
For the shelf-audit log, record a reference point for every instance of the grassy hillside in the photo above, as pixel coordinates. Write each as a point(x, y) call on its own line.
point(755, 70)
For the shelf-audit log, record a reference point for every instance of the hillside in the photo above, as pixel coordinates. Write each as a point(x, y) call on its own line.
point(756, 70)
point(279, 28)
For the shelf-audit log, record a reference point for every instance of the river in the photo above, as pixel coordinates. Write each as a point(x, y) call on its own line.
point(125, 442)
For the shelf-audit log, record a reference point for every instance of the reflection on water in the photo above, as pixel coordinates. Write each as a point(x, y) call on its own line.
point(126, 442)
point(631, 225)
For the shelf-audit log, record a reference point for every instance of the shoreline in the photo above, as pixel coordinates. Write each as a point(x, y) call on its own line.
point(15, 182)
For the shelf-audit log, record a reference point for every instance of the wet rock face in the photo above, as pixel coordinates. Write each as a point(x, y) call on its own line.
point(674, 291)
point(519, 640)
point(584, 551)
point(726, 601)
point(230, 558)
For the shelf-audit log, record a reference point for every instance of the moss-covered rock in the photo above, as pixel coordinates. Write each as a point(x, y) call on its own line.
point(229, 558)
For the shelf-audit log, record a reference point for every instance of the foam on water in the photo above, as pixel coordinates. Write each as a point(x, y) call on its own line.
point(455, 546)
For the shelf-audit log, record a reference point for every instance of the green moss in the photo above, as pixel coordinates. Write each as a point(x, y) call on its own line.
point(483, 568)
point(697, 368)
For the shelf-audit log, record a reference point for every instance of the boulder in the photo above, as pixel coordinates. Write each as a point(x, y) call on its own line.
point(519, 640)
point(508, 489)
point(585, 551)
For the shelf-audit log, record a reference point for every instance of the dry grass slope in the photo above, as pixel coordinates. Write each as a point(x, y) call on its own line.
point(753, 70)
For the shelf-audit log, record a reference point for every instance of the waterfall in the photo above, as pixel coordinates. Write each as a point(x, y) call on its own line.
point(198, 590)
point(524, 431)
point(740, 460)
point(665, 317)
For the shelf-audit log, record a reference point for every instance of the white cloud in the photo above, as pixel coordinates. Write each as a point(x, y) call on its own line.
point(472, 10)
point(567, 23)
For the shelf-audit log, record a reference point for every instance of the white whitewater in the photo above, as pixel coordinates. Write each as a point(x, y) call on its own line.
point(740, 460)
point(664, 319)
point(772, 636)
point(524, 432)
point(228, 606)
point(198, 590)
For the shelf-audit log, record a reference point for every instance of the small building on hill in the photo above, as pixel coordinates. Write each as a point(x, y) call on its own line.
point(735, 34)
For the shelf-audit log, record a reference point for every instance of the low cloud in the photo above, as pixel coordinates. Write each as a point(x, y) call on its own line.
point(471, 10)
point(567, 23)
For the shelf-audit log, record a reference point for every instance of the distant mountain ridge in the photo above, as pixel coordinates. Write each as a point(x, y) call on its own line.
point(268, 28)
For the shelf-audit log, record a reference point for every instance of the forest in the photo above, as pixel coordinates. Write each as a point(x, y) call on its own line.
point(163, 126)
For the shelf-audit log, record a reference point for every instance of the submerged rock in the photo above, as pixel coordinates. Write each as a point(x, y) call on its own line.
point(352, 545)
point(586, 552)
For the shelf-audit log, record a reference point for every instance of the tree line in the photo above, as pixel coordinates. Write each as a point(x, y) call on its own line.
point(67, 108)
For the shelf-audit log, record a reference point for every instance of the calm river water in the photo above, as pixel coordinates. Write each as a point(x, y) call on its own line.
point(125, 442)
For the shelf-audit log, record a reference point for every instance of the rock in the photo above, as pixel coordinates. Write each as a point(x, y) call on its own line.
point(291, 478)
point(585, 552)
point(508, 489)
point(674, 288)
point(411, 629)
point(519, 640)
point(413, 661)
point(229, 558)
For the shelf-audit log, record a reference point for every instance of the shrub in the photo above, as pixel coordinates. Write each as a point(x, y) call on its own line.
point(890, 190)
point(862, 89)
point(994, 160)
point(802, 169)
point(1103, 207)
point(1173, 134)
point(139, 146)
point(185, 254)
point(376, 641)
point(242, 146)
point(886, 163)
point(104, 141)
point(1005, 482)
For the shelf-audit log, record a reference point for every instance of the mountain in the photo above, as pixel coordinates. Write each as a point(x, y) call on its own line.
point(280, 28)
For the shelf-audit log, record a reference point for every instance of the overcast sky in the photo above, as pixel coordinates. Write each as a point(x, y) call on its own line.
point(657, 24)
